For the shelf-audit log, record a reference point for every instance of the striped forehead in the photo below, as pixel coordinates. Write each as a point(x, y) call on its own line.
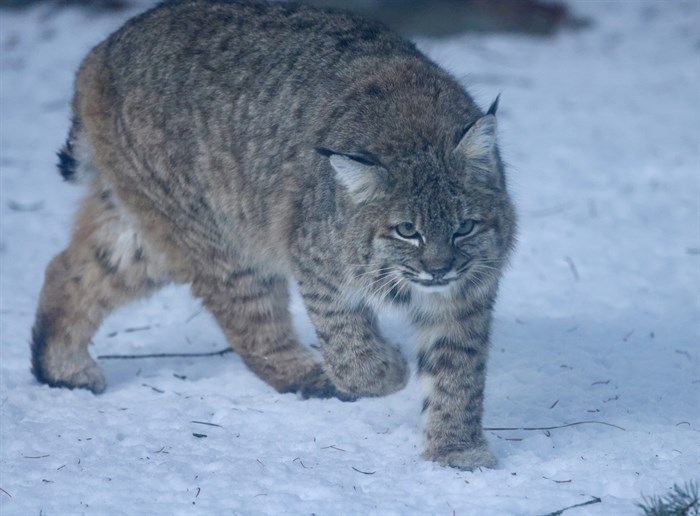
point(437, 201)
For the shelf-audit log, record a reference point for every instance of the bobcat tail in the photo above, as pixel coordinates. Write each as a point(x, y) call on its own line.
point(69, 165)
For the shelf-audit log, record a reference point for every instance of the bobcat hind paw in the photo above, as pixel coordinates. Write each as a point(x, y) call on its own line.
point(90, 378)
point(77, 371)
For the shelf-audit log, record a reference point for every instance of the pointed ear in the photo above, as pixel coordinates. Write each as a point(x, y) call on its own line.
point(494, 106)
point(478, 144)
point(362, 176)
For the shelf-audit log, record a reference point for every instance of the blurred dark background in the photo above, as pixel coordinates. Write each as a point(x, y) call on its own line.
point(446, 17)
point(434, 18)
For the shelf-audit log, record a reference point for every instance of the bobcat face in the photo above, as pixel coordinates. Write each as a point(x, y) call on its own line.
point(436, 255)
point(436, 226)
point(443, 242)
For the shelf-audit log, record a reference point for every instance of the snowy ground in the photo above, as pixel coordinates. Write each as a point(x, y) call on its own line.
point(598, 319)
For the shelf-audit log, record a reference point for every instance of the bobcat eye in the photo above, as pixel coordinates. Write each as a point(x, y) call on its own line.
point(407, 230)
point(466, 228)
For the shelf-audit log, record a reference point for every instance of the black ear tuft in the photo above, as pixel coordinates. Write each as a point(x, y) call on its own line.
point(360, 174)
point(494, 106)
point(325, 152)
point(363, 157)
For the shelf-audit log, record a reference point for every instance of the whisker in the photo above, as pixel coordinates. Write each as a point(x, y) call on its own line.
point(479, 277)
point(368, 288)
point(385, 288)
point(368, 273)
point(481, 266)
point(372, 272)
point(398, 288)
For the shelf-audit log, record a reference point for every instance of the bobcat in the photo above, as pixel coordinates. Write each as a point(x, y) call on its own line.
point(233, 145)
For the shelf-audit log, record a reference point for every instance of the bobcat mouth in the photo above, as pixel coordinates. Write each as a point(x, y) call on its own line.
point(432, 286)
point(433, 283)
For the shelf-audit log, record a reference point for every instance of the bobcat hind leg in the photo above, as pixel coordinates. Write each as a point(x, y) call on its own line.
point(106, 265)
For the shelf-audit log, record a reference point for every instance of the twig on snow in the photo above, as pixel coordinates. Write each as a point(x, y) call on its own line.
point(592, 501)
point(129, 330)
point(166, 355)
point(155, 389)
point(572, 267)
point(332, 446)
point(8, 494)
point(300, 462)
point(137, 328)
point(683, 352)
point(193, 316)
point(558, 481)
point(205, 423)
point(363, 472)
point(576, 423)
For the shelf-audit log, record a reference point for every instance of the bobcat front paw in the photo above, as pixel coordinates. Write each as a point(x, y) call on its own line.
point(316, 384)
point(328, 390)
point(468, 460)
point(378, 373)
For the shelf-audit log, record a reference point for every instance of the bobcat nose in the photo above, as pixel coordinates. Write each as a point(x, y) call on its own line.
point(437, 260)
point(438, 270)
point(438, 274)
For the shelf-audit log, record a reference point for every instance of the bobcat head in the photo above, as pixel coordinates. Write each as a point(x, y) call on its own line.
point(439, 221)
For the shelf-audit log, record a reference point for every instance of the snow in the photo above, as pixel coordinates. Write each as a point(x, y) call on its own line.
point(598, 318)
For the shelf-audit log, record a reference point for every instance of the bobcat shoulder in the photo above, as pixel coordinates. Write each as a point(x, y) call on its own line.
point(232, 145)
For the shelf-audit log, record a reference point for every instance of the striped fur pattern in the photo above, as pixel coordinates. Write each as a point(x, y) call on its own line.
point(233, 145)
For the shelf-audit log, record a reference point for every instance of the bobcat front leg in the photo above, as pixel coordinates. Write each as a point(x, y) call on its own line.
point(356, 357)
point(452, 360)
point(252, 307)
